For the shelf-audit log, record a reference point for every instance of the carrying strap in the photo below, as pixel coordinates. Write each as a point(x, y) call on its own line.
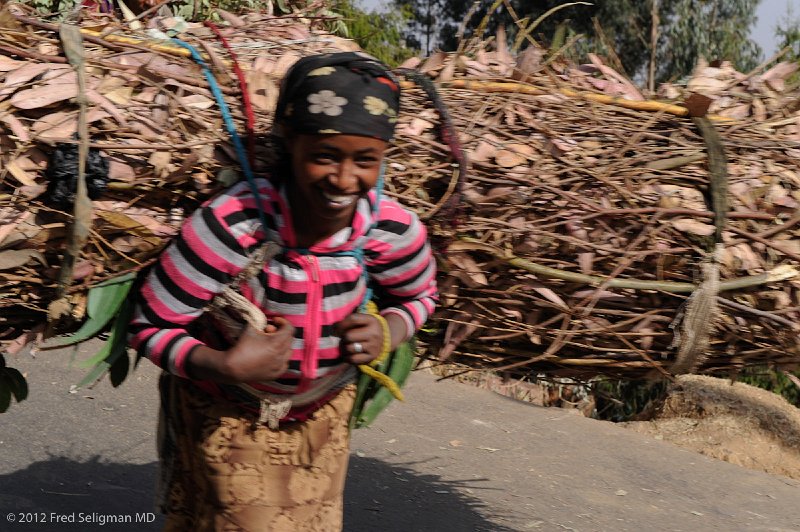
point(244, 161)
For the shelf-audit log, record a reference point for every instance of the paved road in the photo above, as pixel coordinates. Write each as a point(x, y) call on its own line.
point(454, 458)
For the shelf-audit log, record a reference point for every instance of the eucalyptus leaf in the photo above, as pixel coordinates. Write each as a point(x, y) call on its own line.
point(5, 393)
point(14, 258)
point(119, 371)
point(101, 355)
point(115, 348)
point(19, 387)
point(107, 299)
point(95, 374)
point(103, 304)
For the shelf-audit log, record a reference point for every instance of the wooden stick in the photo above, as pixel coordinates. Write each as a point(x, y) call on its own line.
point(768, 243)
point(758, 69)
point(787, 272)
point(760, 313)
point(13, 50)
point(509, 87)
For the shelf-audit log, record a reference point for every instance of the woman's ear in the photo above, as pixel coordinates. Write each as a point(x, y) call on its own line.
point(288, 135)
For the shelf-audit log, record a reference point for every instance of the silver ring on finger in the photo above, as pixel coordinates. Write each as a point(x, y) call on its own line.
point(357, 347)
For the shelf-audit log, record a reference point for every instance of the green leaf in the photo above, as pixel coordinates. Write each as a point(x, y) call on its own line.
point(119, 371)
point(95, 374)
point(116, 347)
point(19, 387)
point(103, 303)
point(101, 355)
point(130, 276)
point(5, 393)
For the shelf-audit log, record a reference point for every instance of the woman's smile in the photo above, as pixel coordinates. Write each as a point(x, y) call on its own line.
point(329, 174)
point(340, 201)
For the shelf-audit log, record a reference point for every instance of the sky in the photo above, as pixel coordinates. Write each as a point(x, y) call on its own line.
point(769, 13)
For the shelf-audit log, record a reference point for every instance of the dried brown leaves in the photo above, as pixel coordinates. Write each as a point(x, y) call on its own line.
point(555, 179)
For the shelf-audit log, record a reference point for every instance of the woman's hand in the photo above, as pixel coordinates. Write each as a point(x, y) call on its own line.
point(361, 338)
point(257, 356)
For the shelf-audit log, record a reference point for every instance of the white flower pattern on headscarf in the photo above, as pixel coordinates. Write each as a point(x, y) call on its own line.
point(375, 106)
point(322, 71)
point(327, 102)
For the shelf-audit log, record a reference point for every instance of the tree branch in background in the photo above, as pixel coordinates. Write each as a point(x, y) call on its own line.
point(654, 22)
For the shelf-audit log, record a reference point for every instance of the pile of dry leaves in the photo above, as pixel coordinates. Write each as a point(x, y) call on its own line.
point(585, 220)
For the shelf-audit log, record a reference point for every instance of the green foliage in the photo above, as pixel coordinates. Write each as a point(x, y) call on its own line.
point(204, 9)
point(104, 302)
point(687, 29)
point(52, 7)
point(380, 34)
point(788, 34)
point(628, 400)
point(774, 381)
point(108, 307)
point(113, 355)
point(716, 29)
point(422, 30)
point(13, 386)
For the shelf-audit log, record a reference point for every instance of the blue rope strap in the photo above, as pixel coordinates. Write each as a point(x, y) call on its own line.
point(229, 125)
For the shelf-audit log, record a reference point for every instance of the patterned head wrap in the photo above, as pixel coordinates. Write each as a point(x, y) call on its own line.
point(346, 93)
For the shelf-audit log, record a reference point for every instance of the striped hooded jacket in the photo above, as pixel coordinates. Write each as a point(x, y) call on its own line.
point(313, 290)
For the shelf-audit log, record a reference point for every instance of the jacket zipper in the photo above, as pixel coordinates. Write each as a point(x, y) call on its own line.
point(312, 332)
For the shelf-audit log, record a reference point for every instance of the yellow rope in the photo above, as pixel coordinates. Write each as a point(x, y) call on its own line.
point(384, 379)
point(372, 310)
point(368, 369)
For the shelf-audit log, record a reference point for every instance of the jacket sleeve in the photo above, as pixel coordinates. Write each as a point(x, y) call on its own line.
point(211, 248)
point(400, 262)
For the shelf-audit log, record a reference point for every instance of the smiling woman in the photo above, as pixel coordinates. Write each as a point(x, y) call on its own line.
point(329, 174)
point(254, 432)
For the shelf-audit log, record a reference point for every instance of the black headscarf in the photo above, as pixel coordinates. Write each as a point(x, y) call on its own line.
point(346, 93)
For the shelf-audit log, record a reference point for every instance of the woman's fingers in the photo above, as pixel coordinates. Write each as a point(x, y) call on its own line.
point(261, 355)
point(361, 338)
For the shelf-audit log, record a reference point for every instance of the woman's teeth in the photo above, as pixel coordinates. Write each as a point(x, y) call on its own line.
point(341, 200)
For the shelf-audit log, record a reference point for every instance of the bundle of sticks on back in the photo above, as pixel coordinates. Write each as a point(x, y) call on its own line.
point(592, 241)
point(586, 240)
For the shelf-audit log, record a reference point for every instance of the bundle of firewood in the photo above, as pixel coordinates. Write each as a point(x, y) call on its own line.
point(586, 241)
point(590, 222)
point(157, 143)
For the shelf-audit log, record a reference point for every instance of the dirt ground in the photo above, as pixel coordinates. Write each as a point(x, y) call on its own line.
point(735, 422)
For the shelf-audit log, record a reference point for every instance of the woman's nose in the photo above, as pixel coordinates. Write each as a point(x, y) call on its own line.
point(344, 177)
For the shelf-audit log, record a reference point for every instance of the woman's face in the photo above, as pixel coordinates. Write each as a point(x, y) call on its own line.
point(329, 174)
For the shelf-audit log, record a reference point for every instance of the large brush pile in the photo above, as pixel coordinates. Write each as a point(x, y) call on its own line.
point(589, 220)
point(154, 122)
point(585, 222)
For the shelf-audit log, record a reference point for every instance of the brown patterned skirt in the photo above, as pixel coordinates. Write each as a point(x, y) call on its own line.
point(219, 471)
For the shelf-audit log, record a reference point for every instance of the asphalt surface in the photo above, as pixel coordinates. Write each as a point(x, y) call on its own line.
point(453, 458)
